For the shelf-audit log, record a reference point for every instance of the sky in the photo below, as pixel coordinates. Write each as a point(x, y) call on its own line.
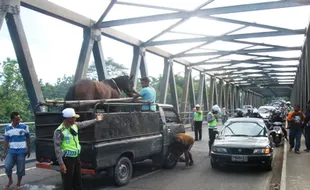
point(55, 45)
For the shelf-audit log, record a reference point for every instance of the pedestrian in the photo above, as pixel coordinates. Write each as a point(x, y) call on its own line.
point(68, 148)
point(16, 148)
point(198, 119)
point(183, 144)
point(212, 125)
point(295, 120)
point(148, 93)
point(307, 128)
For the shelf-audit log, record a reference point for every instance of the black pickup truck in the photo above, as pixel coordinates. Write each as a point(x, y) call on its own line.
point(113, 144)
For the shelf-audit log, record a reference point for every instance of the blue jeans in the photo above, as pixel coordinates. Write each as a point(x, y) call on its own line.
point(15, 159)
point(295, 134)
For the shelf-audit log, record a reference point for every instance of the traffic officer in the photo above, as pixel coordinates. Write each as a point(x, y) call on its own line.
point(212, 125)
point(68, 148)
point(198, 119)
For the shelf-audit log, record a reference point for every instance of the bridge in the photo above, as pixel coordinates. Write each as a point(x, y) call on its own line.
point(260, 49)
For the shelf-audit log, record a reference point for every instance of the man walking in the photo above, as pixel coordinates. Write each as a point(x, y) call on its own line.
point(16, 147)
point(296, 120)
point(68, 148)
point(198, 118)
point(307, 127)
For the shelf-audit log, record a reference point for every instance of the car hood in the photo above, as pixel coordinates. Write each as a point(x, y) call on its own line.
point(241, 142)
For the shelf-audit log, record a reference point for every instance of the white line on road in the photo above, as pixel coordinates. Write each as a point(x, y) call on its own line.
point(15, 171)
point(283, 174)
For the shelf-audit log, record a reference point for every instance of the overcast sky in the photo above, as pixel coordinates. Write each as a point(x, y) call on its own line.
point(55, 45)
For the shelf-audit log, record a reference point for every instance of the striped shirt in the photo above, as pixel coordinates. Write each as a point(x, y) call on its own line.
point(16, 136)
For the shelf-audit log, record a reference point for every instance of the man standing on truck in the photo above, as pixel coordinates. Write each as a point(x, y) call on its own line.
point(16, 147)
point(148, 93)
point(68, 148)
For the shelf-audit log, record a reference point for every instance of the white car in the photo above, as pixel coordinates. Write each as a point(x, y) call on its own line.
point(265, 111)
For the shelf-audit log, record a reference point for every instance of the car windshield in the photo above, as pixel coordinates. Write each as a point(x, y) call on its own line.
point(264, 110)
point(244, 128)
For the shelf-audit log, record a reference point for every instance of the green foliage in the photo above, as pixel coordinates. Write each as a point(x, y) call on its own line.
point(13, 95)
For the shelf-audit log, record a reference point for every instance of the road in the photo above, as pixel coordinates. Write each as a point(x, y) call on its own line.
point(147, 177)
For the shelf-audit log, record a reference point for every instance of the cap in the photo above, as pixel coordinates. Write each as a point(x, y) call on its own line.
point(69, 113)
point(197, 106)
point(145, 79)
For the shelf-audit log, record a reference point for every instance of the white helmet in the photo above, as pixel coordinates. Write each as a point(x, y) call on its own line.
point(288, 103)
point(197, 106)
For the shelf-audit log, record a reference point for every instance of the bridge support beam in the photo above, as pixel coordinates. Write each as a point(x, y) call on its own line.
point(138, 63)
point(205, 97)
point(187, 77)
point(191, 91)
point(200, 89)
point(220, 93)
point(232, 98)
point(226, 96)
point(237, 97)
point(22, 51)
point(165, 81)
point(91, 43)
point(173, 88)
point(211, 92)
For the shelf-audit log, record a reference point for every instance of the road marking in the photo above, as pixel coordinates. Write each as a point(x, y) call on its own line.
point(27, 169)
point(283, 174)
point(145, 175)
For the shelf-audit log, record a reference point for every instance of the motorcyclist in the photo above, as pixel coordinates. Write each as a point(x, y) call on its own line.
point(256, 114)
point(276, 117)
point(239, 112)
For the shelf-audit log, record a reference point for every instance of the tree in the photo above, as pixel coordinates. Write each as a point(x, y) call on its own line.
point(13, 94)
point(113, 69)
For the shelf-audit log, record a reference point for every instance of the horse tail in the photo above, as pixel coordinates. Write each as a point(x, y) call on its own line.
point(70, 95)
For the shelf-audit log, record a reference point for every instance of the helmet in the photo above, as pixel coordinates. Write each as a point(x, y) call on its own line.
point(197, 106)
point(288, 103)
point(255, 110)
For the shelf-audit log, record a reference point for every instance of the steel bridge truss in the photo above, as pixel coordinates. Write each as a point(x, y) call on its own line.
point(230, 85)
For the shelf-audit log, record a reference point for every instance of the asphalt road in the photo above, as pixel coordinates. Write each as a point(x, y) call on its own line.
point(147, 177)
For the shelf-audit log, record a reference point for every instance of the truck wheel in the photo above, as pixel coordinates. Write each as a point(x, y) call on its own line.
point(170, 161)
point(122, 171)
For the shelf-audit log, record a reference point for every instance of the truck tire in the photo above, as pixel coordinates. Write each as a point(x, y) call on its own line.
point(122, 171)
point(170, 161)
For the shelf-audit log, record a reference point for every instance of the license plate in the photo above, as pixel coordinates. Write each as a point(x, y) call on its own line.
point(239, 158)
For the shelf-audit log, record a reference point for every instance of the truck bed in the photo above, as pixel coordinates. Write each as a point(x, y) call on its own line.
point(103, 142)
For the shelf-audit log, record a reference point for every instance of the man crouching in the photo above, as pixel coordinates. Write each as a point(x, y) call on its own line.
point(183, 144)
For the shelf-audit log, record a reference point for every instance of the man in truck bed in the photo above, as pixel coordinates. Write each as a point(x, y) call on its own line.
point(67, 148)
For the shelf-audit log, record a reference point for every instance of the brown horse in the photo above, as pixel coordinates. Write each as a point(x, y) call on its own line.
point(86, 89)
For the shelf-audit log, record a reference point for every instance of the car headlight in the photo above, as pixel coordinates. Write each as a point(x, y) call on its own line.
point(262, 151)
point(219, 150)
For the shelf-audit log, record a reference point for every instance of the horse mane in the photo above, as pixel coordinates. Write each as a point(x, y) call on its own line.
point(121, 82)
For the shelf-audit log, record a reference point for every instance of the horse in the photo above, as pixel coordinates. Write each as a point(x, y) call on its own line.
point(87, 89)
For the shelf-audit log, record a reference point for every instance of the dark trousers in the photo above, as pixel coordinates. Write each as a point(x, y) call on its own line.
point(295, 134)
point(198, 129)
point(212, 135)
point(71, 180)
point(307, 137)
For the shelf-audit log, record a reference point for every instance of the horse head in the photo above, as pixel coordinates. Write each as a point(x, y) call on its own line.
point(125, 83)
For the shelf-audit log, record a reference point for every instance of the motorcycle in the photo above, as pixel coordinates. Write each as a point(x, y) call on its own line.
point(277, 133)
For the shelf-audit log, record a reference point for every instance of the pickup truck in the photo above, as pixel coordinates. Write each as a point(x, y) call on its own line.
point(115, 143)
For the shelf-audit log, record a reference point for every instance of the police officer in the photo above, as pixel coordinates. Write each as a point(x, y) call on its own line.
point(212, 124)
point(198, 119)
point(68, 148)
